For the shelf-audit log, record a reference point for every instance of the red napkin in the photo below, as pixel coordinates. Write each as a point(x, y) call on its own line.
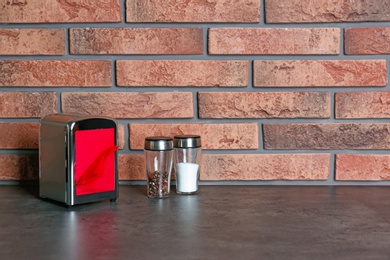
point(94, 169)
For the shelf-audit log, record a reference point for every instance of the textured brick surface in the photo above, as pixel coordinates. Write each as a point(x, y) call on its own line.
point(362, 104)
point(19, 135)
point(32, 41)
point(308, 88)
point(298, 11)
point(131, 167)
point(264, 105)
point(363, 167)
point(197, 73)
point(373, 40)
point(214, 136)
point(274, 41)
point(121, 136)
point(317, 73)
point(136, 41)
point(130, 104)
point(327, 136)
point(265, 167)
point(243, 167)
point(241, 11)
point(19, 167)
point(69, 11)
point(24, 104)
point(55, 73)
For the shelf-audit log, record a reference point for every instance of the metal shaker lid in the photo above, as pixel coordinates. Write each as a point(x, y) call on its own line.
point(158, 143)
point(187, 141)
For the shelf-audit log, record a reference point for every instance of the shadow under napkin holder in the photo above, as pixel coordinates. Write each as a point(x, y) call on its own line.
point(78, 159)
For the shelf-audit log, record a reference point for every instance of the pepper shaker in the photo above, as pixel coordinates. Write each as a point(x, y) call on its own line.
point(187, 161)
point(159, 160)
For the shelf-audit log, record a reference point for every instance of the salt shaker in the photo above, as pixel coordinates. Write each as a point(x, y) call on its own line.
point(159, 160)
point(187, 153)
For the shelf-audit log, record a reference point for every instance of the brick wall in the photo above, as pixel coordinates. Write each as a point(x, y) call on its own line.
point(281, 91)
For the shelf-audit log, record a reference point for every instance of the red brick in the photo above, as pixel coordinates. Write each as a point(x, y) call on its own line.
point(136, 41)
point(70, 11)
point(19, 167)
point(44, 73)
point(264, 104)
point(241, 11)
point(27, 104)
point(327, 136)
point(363, 167)
point(318, 73)
point(214, 136)
point(186, 73)
point(131, 167)
point(274, 41)
point(265, 167)
point(298, 11)
point(243, 167)
point(130, 104)
point(362, 104)
point(373, 40)
point(32, 41)
point(121, 136)
point(19, 135)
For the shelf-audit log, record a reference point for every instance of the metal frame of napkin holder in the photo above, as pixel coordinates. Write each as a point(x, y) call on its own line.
point(57, 157)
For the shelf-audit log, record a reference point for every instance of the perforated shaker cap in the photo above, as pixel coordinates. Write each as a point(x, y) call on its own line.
point(187, 141)
point(158, 143)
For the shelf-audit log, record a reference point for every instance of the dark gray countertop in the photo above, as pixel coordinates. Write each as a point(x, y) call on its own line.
point(221, 222)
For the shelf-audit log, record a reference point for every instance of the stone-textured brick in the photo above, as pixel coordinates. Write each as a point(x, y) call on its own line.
point(373, 40)
point(43, 73)
point(362, 104)
point(207, 73)
point(27, 104)
point(214, 136)
point(298, 11)
point(19, 135)
point(362, 167)
point(241, 11)
point(317, 73)
point(121, 136)
point(265, 167)
point(130, 104)
point(242, 167)
point(131, 167)
point(19, 167)
point(264, 104)
point(274, 41)
point(136, 41)
point(32, 41)
point(327, 136)
point(70, 11)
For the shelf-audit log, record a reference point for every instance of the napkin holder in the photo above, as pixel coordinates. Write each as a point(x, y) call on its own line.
point(78, 159)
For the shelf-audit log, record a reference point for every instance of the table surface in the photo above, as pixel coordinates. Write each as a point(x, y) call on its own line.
point(220, 222)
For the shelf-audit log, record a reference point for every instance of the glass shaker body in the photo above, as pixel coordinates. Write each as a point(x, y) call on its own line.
point(187, 163)
point(159, 160)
